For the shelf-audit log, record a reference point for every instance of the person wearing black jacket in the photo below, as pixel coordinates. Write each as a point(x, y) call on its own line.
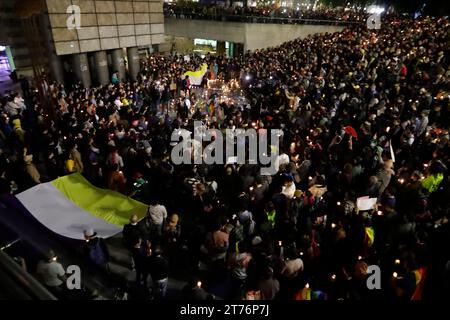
point(131, 232)
point(159, 271)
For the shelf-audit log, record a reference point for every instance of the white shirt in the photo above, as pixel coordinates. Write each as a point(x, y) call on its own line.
point(292, 267)
point(118, 103)
point(289, 191)
point(51, 272)
point(187, 102)
point(12, 108)
point(20, 102)
point(157, 213)
point(280, 160)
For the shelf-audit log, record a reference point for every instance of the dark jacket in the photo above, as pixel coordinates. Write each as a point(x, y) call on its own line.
point(131, 235)
point(159, 268)
point(97, 252)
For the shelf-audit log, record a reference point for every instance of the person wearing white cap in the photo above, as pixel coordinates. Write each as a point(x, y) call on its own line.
point(96, 250)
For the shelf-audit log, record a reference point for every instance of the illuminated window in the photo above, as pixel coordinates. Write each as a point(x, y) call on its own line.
point(205, 42)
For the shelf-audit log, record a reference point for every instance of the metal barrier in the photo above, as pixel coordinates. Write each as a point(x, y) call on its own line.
point(255, 19)
point(17, 284)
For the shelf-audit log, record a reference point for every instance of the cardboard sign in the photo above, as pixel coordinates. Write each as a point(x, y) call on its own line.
point(366, 203)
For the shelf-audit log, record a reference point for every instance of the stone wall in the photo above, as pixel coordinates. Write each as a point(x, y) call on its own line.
point(252, 35)
point(106, 24)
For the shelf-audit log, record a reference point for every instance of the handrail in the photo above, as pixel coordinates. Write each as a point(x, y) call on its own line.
point(9, 244)
point(253, 18)
point(25, 286)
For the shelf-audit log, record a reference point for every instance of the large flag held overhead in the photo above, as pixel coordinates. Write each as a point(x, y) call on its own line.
point(196, 77)
point(70, 204)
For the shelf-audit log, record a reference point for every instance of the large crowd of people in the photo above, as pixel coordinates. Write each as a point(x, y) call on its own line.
point(364, 113)
point(273, 13)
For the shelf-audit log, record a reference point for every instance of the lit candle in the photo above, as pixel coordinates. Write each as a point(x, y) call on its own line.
point(338, 203)
point(395, 275)
point(281, 250)
point(333, 277)
point(359, 258)
point(199, 284)
point(307, 286)
point(380, 213)
point(333, 225)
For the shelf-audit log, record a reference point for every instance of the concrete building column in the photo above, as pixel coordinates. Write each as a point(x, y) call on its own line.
point(118, 63)
point(56, 69)
point(54, 60)
point(239, 49)
point(133, 62)
point(80, 65)
point(101, 67)
point(221, 48)
point(91, 61)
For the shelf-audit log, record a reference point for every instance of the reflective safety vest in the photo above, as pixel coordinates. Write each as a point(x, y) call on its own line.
point(369, 237)
point(432, 182)
point(271, 218)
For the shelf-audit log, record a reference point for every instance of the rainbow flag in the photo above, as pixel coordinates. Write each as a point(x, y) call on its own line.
point(303, 294)
point(420, 275)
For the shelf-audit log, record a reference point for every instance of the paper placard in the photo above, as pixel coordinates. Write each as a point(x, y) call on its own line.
point(392, 151)
point(232, 160)
point(366, 203)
